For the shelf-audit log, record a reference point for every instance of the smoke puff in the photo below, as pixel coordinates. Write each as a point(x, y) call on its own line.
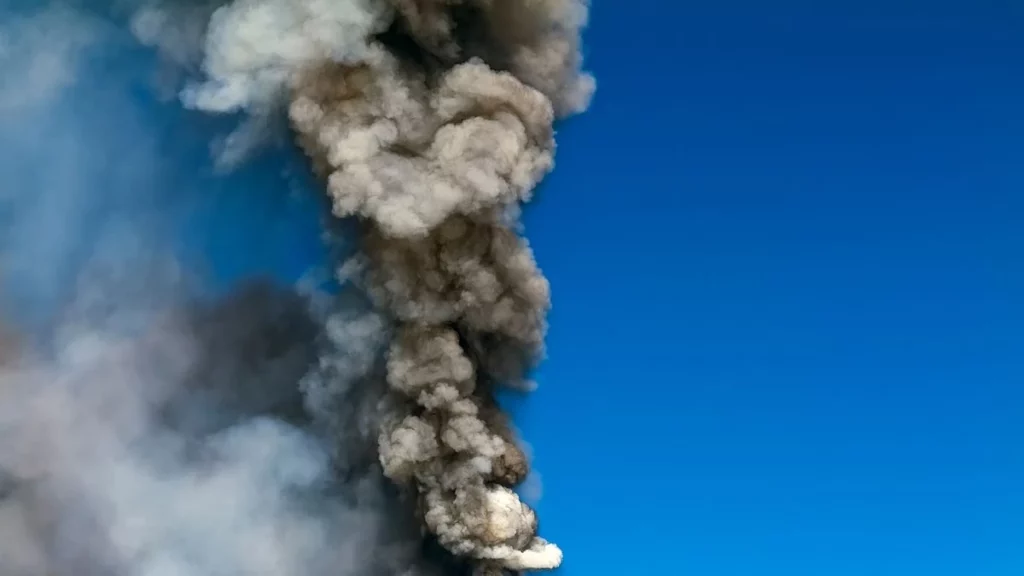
point(474, 272)
point(408, 158)
point(254, 48)
point(537, 41)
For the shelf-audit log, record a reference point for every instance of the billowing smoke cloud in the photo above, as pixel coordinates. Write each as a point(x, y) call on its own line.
point(270, 432)
point(186, 450)
point(429, 122)
point(147, 429)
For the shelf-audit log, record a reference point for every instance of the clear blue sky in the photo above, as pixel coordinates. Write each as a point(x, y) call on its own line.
point(787, 255)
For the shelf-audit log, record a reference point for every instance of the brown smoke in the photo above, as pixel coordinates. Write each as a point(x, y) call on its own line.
point(430, 128)
point(537, 41)
point(428, 170)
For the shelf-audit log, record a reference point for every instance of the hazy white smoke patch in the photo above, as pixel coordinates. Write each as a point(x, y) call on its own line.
point(64, 199)
point(39, 56)
point(104, 479)
point(176, 30)
point(243, 56)
point(255, 48)
point(143, 433)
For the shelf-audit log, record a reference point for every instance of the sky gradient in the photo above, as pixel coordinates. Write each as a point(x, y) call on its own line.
point(785, 252)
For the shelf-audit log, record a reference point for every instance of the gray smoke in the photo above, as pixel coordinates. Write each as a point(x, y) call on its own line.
point(429, 121)
point(269, 432)
point(148, 429)
point(186, 449)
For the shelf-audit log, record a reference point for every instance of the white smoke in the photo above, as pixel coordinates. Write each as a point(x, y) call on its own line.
point(157, 436)
point(145, 433)
point(80, 432)
point(39, 57)
point(121, 460)
point(255, 48)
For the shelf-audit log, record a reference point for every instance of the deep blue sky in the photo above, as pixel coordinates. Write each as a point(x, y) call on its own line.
point(785, 246)
point(786, 252)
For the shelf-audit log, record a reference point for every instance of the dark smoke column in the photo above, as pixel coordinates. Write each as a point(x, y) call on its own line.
point(430, 128)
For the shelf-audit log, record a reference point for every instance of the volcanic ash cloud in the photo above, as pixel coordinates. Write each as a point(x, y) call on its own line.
point(429, 122)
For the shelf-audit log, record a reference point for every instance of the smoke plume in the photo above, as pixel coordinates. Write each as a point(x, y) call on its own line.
point(429, 121)
point(186, 449)
point(274, 432)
